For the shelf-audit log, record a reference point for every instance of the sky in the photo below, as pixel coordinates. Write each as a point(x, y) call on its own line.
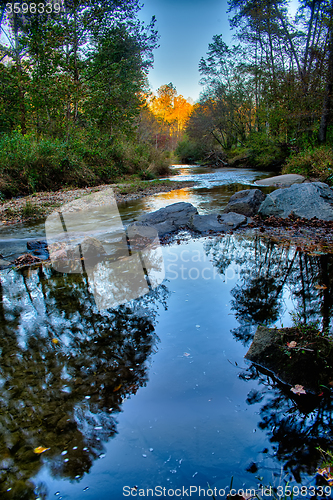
point(186, 27)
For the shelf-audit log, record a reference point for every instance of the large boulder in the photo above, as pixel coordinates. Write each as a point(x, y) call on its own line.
point(177, 214)
point(169, 219)
point(217, 223)
point(285, 180)
point(246, 202)
point(162, 228)
point(311, 199)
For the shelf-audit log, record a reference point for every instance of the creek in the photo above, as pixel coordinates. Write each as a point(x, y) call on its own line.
point(155, 393)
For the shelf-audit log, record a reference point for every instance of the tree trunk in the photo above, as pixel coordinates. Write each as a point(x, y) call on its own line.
point(327, 104)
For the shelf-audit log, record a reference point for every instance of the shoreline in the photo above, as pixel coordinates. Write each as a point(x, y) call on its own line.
point(40, 205)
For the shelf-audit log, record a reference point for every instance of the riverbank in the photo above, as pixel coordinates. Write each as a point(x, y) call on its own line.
point(39, 205)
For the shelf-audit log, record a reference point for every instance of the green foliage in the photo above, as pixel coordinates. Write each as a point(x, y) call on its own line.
point(68, 117)
point(30, 210)
point(272, 92)
point(266, 152)
point(190, 151)
point(315, 162)
point(29, 165)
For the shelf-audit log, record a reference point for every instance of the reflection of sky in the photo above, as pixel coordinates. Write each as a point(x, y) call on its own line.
point(176, 430)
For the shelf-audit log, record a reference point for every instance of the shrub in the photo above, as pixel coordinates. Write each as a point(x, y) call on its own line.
point(316, 162)
point(30, 210)
point(190, 152)
point(266, 152)
point(29, 165)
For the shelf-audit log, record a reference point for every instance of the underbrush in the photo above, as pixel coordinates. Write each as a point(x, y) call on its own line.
point(315, 162)
point(190, 151)
point(28, 165)
point(266, 152)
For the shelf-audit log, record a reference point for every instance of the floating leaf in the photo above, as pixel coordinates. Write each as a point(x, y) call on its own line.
point(298, 389)
point(55, 341)
point(321, 287)
point(187, 354)
point(40, 449)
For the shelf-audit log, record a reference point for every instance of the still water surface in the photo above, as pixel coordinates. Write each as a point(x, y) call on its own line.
point(157, 392)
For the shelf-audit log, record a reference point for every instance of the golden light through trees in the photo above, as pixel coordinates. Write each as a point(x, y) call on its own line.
point(172, 112)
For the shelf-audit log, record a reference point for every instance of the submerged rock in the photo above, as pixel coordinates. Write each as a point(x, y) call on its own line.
point(311, 199)
point(38, 248)
point(246, 202)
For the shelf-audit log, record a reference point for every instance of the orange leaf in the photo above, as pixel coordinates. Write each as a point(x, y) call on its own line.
point(117, 388)
point(321, 287)
point(40, 449)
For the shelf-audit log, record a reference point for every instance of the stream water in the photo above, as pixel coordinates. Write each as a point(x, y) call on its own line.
point(154, 397)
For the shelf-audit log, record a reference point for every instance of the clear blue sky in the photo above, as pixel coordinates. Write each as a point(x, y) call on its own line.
point(186, 27)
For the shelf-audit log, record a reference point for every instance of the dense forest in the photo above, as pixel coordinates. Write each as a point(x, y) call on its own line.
point(267, 100)
point(75, 105)
point(76, 108)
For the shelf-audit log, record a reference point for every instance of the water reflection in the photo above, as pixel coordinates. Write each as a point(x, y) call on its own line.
point(65, 369)
point(270, 276)
point(296, 428)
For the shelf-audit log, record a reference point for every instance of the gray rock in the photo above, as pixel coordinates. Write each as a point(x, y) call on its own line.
point(246, 202)
point(162, 228)
point(177, 214)
point(217, 223)
point(311, 199)
point(285, 180)
point(4, 264)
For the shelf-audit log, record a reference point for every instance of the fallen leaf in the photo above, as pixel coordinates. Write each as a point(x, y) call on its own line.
point(55, 341)
point(298, 389)
point(117, 388)
point(292, 344)
point(40, 449)
point(320, 287)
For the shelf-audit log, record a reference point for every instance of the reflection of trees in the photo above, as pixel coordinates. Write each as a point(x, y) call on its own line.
point(295, 426)
point(266, 271)
point(65, 369)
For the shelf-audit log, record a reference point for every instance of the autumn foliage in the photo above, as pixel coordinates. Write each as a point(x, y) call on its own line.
point(172, 112)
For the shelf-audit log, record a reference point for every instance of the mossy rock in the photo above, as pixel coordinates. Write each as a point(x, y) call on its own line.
point(294, 356)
